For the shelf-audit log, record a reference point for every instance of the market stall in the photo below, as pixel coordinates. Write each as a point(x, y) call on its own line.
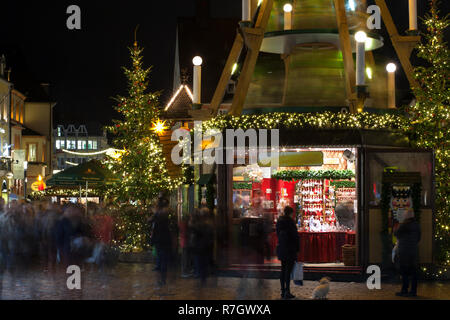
point(320, 187)
point(80, 184)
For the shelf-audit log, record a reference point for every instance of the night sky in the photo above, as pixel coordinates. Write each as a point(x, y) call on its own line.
point(84, 66)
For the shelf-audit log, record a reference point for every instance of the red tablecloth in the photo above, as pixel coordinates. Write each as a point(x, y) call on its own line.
point(320, 247)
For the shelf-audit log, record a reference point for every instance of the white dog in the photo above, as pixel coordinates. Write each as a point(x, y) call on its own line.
point(321, 291)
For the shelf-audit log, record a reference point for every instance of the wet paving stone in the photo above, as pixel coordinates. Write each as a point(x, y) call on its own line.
point(131, 281)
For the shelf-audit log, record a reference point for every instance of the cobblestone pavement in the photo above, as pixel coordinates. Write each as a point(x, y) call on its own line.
point(128, 281)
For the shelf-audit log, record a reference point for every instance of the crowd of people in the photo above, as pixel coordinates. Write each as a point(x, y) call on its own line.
point(196, 241)
point(53, 235)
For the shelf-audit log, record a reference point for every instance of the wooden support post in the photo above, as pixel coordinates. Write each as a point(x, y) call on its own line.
point(264, 14)
point(226, 74)
point(253, 39)
point(403, 45)
point(349, 66)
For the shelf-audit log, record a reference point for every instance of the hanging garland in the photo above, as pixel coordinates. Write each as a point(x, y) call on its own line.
point(73, 193)
point(311, 120)
point(242, 185)
point(343, 184)
point(289, 175)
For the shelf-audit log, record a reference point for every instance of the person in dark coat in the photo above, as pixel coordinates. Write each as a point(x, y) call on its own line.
point(287, 249)
point(64, 233)
point(70, 226)
point(186, 261)
point(161, 237)
point(203, 243)
point(408, 235)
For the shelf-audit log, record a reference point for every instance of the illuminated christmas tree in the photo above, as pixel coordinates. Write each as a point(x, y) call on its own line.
point(430, 118)
point(142, 165)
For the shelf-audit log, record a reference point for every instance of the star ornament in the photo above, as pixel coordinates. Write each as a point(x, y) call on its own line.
point(159, 127)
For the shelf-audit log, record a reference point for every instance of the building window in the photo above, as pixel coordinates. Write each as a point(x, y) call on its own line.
point(32, 151)
point(94, 145)
point(80, 145)
point(71, 144)
point(59, 131)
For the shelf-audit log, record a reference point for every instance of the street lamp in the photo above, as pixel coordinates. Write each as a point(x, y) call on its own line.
point(412, 15)
point(361, 88)
point(391, 68)
point(360, 38)
point(197, 61)
point(287, 8)
point(246, 10)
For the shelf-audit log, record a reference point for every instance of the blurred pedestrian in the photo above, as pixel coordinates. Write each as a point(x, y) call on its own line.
point(48, 225)
point(102, 226)
point(186, 257)
point(161, 237)
point(267, 231)
point(70, 227)
point(287, 249)
point(408, 235)
point(203, 237)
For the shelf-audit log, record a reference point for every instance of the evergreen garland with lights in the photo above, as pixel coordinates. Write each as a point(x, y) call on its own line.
point(430, 117)
point(311, 120)
point(343, 184)
point(242, 185)
point(64, 192)
point(293, 175)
